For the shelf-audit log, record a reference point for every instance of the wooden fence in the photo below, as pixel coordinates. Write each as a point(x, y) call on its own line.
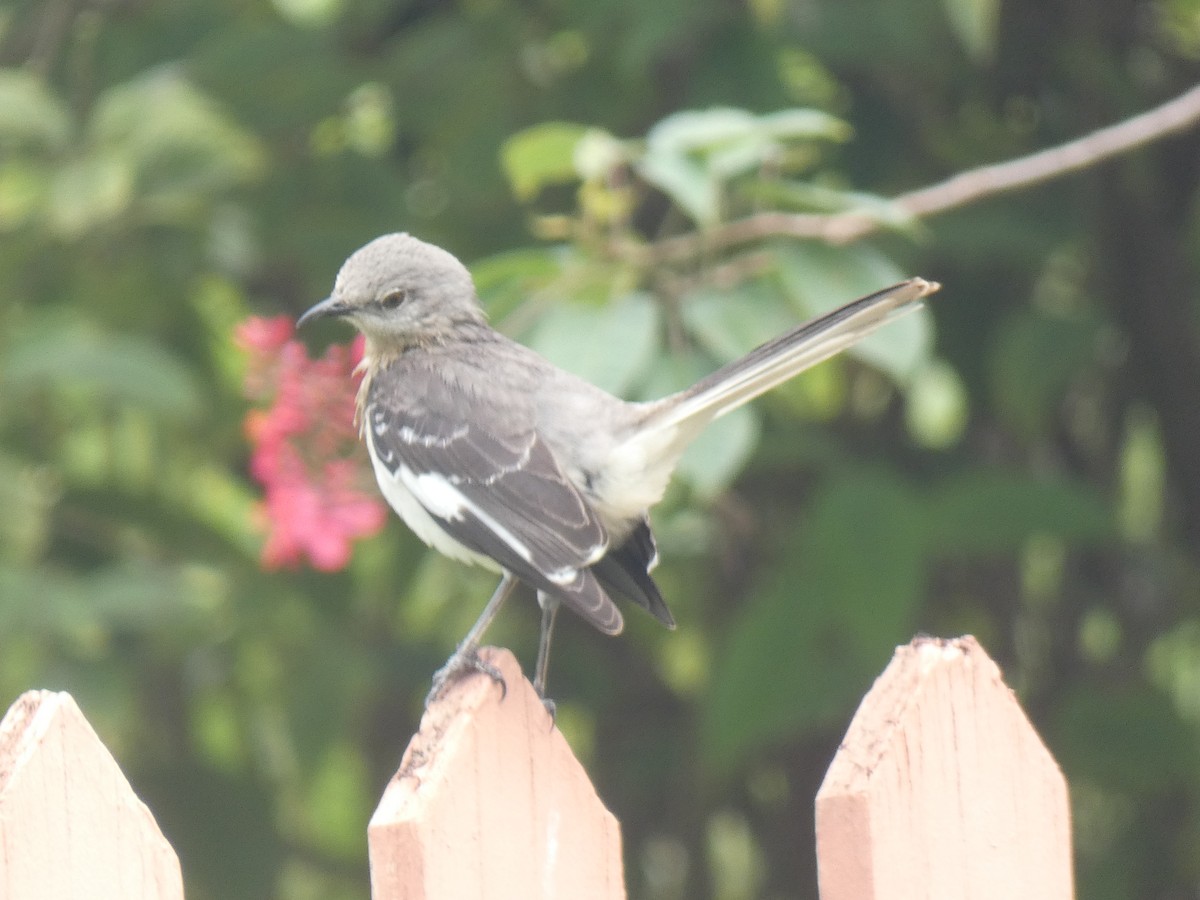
point(941, 789)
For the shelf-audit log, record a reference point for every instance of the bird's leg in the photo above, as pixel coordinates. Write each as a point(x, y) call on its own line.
point(465, 658)
point(549, 614)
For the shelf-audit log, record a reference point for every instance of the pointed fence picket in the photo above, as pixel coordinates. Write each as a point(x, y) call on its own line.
point(941, 789)
point(70, 825)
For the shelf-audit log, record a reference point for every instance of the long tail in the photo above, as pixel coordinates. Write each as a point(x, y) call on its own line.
point(785, 357)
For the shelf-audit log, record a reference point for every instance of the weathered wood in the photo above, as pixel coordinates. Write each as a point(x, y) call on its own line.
point(489, 802)
point(942, 789)
point(70, 824)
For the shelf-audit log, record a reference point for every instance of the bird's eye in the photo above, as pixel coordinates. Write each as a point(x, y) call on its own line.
point(392, 299)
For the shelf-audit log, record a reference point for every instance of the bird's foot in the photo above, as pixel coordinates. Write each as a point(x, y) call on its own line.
point(465, 661)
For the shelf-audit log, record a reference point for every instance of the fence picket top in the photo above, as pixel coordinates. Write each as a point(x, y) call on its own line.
point(70, 824)
point(489, 801)
point(942, 788)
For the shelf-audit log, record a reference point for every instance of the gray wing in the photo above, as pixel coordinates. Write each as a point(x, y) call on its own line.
point(466, 447)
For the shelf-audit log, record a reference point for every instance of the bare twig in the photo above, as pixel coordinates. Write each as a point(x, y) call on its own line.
point(967, 187)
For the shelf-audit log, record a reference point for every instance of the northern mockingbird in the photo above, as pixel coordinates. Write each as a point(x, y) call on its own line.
point(494, 456)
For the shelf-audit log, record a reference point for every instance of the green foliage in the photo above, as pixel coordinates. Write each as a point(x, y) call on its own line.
point(1025, 470)
point(937, 406)
point(580, 338)
point(712, 461)
point(541, 156)
point(855, 568)
point(175, 141)
point(31, 117)
point(730, 323)
point(975, 24)
point(691, 155)
point(988, 511)
point(98, 369)
point(818, 278)
point(1035, 360)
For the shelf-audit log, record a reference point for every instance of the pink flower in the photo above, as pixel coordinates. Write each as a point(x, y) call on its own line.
point(318, 497)
point(263, 335)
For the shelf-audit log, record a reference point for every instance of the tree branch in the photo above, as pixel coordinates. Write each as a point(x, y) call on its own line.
point(967, 187)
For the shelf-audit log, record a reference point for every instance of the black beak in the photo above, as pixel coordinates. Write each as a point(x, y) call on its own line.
point(327, 307)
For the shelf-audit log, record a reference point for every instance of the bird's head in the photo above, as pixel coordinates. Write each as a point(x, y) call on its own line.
point(399, 291)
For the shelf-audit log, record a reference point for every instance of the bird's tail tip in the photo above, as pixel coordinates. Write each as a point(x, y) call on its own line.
point(925, 288)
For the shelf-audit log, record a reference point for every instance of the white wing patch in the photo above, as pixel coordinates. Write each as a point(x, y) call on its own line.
point(418, 498)
point(440, 497)
point(416, 517)
point(435, 492)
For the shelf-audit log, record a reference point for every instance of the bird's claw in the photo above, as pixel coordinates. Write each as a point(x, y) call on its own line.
point(463, 662)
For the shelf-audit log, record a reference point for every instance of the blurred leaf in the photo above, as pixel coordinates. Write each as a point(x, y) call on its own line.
point(1173, 663)
point(181, 146)
point(991, 511)
point(370, 120)
point(819, 278)
point(673, 162)
point(309, 13)
point(27, 495)
point(220, 500)
point(685, 181)
point(1034, 361)
point(1127, 738)
point(802, 653)
point(597, 153)
point(688, 154)
point(742, 156)
point(975, 24)
point(525, 266)
point(936, 407)
point(339, 801)
point(85, 608)
point(23, 187)
point(807, 196)
point(810, 124)
point(506, 280)
point(715, 458)
point(30, 114)
point(540, 156)
point(734, 857)
point(694, 130)
point(730, 323)
point(116, 368)
point(236, 857)
point(216, 731)
point(221, 306)
point(1143, 474)
point(610, 346)
point(89, 192)
point(720, 128)
point(1100, 636)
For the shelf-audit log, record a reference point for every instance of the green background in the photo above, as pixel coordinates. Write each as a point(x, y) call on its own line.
point(1020, 463)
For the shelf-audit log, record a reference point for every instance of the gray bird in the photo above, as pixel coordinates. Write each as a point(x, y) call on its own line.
point(494, 456)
